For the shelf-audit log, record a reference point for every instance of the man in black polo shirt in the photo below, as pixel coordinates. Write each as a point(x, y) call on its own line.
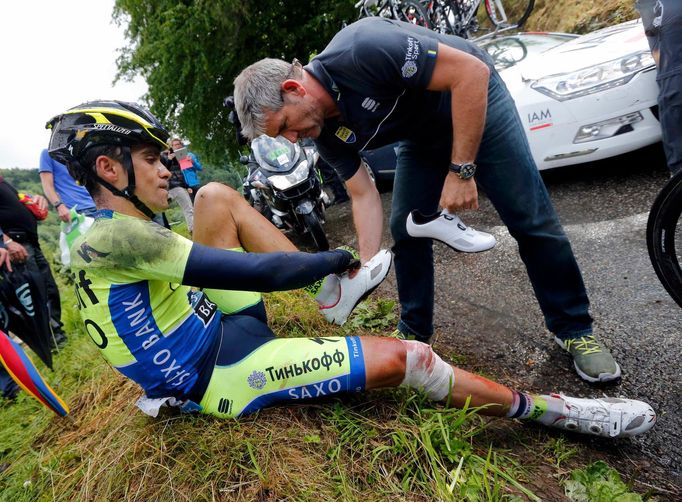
point(380, 81)
point(20, 230)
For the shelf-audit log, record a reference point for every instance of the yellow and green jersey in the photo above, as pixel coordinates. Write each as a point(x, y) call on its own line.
point(147, 324)
point(133, 281)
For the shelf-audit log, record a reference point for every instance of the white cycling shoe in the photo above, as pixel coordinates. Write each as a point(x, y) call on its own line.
point(353, 291)
point(609, 417)
point(449, 229)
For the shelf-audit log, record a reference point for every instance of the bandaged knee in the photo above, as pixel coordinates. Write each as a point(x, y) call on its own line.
point(425, 370)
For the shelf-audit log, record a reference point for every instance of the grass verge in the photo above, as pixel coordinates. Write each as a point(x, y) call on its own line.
point(385, 445)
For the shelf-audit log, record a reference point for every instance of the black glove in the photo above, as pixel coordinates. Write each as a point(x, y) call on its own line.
point(352, 264)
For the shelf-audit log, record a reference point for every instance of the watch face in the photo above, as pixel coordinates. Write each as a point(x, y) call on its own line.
point(467, 171)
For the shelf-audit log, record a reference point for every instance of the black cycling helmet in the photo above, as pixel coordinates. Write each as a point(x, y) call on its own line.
point(100, 123)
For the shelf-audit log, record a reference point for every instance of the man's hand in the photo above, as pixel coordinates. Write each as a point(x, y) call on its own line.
point(40, 201)
point(458, 194)
point(64, 213)
point(17, 252)
point(4, 259)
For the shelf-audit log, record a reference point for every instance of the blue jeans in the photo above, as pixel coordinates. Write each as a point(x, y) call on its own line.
point(670, 114)
point(509, 177)
point(88, 211)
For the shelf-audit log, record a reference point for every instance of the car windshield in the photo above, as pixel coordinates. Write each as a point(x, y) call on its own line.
point(509, 51)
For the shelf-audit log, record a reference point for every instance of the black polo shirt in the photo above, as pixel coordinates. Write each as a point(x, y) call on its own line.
point(14, 217)
point(377, 71)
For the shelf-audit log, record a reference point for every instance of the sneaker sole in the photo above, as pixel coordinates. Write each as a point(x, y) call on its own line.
point(460, 250)
point(449, 245)
point(365, 295)
point(603, 377)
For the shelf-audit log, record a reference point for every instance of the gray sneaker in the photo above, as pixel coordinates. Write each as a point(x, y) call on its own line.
point(401, 336)
point(591, 359)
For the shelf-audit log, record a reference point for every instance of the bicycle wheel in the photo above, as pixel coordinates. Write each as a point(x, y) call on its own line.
point(369, 8)
point(506, 51)
point(498, 15)
point(664, 237)
point(412, 11)
point(459, 17)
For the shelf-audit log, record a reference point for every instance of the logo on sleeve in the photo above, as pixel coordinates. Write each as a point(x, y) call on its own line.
point(345, 135)
point(409, 69)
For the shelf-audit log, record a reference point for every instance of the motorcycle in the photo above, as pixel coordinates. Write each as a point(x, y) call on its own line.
point(283, 184)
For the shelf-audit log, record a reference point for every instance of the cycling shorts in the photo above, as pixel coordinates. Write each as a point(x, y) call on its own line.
point(255, 369)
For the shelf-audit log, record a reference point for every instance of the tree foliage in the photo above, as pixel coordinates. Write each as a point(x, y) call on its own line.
point(189, 52)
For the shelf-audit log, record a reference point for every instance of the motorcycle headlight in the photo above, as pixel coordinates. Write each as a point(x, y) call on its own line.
point(598, 78)
point(298, 175)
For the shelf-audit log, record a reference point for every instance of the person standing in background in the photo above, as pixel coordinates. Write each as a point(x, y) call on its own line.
point(20, 237)
point(177, 187)
point(190, 166)
point(61, 189)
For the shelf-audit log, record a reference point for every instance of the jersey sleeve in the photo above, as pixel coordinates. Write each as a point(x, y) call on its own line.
point(214, 268)
point(390, 56)
point(149, 250)
point(45, 162)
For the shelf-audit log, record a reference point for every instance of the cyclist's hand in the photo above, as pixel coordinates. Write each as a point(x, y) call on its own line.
point(458, 194)
point(352, 266)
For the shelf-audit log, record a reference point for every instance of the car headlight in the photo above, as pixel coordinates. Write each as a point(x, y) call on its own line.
point(601, 77)
point(298, 175)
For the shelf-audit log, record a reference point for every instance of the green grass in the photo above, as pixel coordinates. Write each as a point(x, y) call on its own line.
point(599, 483)
point(383, 445)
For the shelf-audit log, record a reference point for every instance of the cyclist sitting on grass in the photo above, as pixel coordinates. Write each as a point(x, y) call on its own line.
point(212, 350)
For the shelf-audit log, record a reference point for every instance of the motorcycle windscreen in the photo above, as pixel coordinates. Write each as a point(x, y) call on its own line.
point(278, 155)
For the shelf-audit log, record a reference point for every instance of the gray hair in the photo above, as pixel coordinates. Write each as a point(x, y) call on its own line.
point(257, 90)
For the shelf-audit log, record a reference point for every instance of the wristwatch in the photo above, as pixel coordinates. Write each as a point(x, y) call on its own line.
point(57, 204)
point(464, 171)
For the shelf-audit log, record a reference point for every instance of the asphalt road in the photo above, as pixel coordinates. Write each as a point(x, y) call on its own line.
point(486, 311)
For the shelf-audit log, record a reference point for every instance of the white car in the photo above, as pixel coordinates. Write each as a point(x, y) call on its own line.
point(581, 98)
